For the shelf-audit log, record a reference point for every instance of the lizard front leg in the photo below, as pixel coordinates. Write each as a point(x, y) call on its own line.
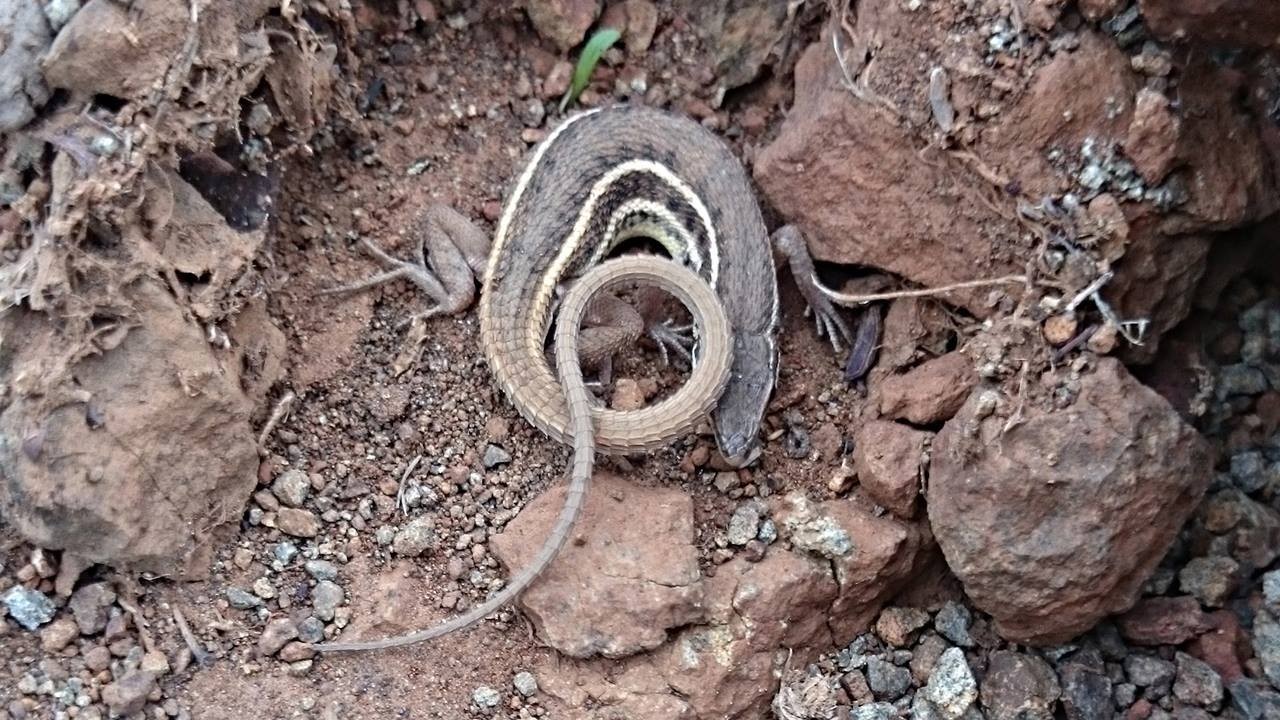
point(451, 254)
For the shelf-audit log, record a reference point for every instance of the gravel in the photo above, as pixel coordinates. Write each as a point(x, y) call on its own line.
point(291, 488)
point(744, 525)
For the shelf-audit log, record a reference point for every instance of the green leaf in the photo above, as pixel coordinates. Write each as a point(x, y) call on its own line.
point(602, 40)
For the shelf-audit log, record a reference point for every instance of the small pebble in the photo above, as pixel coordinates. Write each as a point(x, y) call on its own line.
point(242, 599)
point(525, 683)
point(292, 488)
point(744, 524)
point(311, 630)
point(326, 598)
point(486, 697)
point(495, 456)
point(285, 552)
point(952, 622)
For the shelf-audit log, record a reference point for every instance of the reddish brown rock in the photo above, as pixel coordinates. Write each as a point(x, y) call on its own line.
point(1078, 95)
point(1215, 22)
point(742, 36)
point(873, 557)
point(1219, 647)
point(887, 457)
point(1152, 142)
point(725, 669)
point(1056, 522)
point(563, 22)
point(1236, 184)
point(1156, 280)
point(1163, 621)
point(148, 503)
point(619, 585)
point(852, 179)
point(633, 688)
point(929, 393)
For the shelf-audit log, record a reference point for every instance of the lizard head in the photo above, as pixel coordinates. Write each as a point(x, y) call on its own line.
point(741, 408)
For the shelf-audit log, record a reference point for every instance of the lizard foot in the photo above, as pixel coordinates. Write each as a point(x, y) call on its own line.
point(672, 338)
point(792, 245)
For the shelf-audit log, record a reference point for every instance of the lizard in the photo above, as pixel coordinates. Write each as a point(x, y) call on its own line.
point(600, 177)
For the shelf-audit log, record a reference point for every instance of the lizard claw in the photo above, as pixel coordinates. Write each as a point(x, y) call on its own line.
point(671, 338)
point(833, 327)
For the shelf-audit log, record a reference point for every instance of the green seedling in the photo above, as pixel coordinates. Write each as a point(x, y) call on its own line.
point(602, 40)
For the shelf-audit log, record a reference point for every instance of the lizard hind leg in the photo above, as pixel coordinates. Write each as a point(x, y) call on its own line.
point(788, 240)
point(451, 253)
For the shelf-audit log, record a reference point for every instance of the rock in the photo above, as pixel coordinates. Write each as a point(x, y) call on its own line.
point(874, 711)
point(58, 634)
point(486, 697)
point(1197, 683)
point(951, 687)
point(525, 684)
point(887, 681)
point(97, 658)
point(556, 83)
point(275, 635)
point(1266, 645)
point(1152, 142)
point(292, 487)
point(744, 524)
point(321, 569)
point(898, 625)
point(128, 695)
point(724, 668)
point(29, 608)
point(311, 630)
point(325, 599)
point(1149, 671)
point(1254, 700)
point(1211, 580)
point(91, 55)
point(242, 599)
point(953, 622)
point(887, 457)
point(563, 22)
point(831, 142)
point(1051, 529)
point(1218, 647)
point(495, 456)
point(651, 582)
point(297, 652)
point(1086, 693)
point(873, 557)
point(1163, 621)
point(298, 522)
point(191, 461)
point(1019, 687)
point(636, 691)
point(1248, 471)
point(742, 35)
point(22, 88)
point(91, 605)
point(925, 656)
point(642, 22)
point(156, 663)
point(415, 538)
point(929, 393)
point(1271, 588)
point(1214, 22)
